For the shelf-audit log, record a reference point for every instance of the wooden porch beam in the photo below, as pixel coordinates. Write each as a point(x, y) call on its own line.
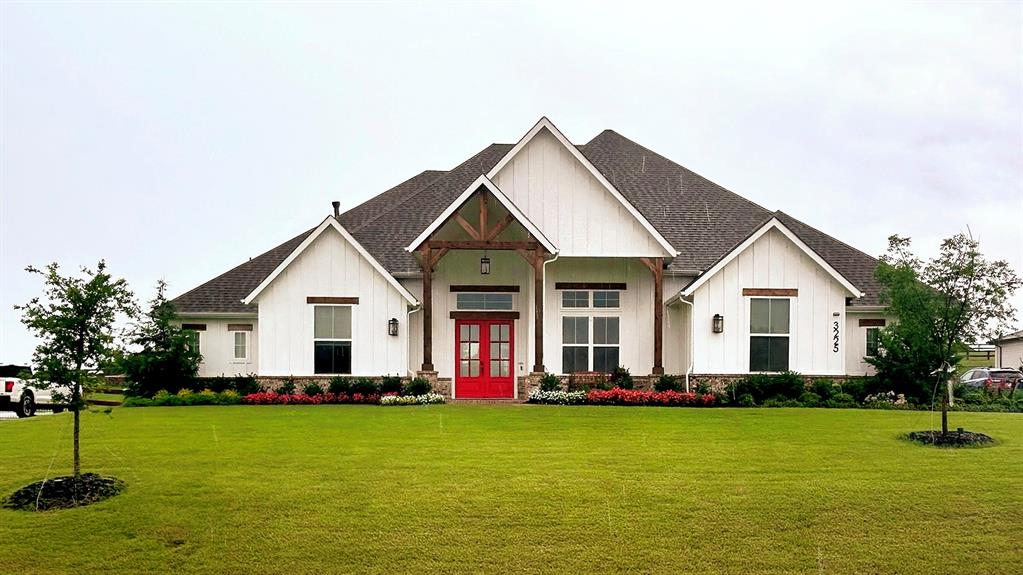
point(500, 227)
point(538, 309)
point(657, 268)
point(483, 216)
point(482, 245)
point(427, 265)
point(473, 233)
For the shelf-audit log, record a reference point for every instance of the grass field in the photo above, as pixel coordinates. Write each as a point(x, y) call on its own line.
point(475, 488)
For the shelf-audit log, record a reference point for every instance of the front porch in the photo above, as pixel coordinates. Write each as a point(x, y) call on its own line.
point(504, 292)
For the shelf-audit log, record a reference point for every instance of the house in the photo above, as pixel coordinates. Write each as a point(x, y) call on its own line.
point(545, 256)
point(1009, 350)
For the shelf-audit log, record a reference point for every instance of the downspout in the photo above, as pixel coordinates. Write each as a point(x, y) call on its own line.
point(692, 332)
point(408, 337)
point(544, 299)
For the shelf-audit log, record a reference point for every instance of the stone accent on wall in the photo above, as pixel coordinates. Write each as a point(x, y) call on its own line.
point(272, 382)
point(719, 383)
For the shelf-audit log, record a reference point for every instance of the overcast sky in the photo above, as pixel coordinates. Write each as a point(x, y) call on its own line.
point(178, 140)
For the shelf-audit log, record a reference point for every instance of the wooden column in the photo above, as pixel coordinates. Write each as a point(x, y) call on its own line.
point(427, 264)
point(656, 266)
point(538, 309)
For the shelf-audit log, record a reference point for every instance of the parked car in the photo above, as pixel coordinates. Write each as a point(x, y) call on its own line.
point(995, 379)
point(19, 395)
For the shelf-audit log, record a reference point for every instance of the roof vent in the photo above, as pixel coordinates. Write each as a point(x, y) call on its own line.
point(337, 209)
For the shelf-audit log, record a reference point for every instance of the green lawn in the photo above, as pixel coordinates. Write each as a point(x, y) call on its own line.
point(475, 488)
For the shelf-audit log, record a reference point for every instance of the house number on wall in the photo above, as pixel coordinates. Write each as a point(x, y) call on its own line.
point(834, 337)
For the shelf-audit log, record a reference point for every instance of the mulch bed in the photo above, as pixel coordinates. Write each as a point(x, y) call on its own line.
point(951, 439)
point(60, 492)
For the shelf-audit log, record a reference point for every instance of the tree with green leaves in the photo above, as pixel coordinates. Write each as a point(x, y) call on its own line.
point(940, 307)
point(75, 320)
point(167, 359)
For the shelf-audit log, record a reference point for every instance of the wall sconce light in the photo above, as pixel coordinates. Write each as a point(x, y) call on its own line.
point(485, 265)
point(718, 325)
point(392, 326)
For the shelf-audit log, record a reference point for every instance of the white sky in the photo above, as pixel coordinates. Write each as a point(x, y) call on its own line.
point(178, 140)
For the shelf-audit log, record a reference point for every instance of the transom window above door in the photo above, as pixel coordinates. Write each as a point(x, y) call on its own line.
point(584, 299)
point(484, 301)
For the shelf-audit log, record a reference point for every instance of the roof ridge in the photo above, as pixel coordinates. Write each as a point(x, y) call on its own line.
point(440, 174)
point(424, 187)
point(245, 263)
point(827, 235)
point(667, 159)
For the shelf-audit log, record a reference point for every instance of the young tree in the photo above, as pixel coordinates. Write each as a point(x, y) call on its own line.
point(940, 307)
point(75, 320)
point(167, 360)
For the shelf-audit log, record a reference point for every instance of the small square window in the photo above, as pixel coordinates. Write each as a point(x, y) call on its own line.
point(606, 299)
point(241, 345)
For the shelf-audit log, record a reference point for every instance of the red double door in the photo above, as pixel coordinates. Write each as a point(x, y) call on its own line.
point(483, 358)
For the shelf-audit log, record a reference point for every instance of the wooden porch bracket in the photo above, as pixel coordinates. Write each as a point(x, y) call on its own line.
point(656, 267)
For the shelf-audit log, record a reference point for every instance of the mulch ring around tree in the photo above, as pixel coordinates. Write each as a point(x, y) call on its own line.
point(61, 492)
point(951, 439)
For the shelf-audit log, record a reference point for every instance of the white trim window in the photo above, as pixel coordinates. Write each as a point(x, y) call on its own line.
point(769, 334)
point(480, 301)
point(241, 345)
point(873, 341)
point(590, 339)
point(332, 339)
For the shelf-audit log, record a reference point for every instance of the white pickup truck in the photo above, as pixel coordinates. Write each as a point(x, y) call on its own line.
point(20, 396)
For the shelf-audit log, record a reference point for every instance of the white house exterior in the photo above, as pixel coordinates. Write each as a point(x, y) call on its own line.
point(1009, 350)
point(544, 256)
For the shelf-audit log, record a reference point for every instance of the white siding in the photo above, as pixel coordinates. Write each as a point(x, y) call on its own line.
point(562, 198)
point(773, 261)
point(677, 328)
point(1010, 354)
point(856, 343)
point(216, 344)
point(462, 267)
point(637, 309)
point(331, 267)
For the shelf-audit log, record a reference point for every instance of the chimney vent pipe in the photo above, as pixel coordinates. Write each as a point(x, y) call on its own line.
point(337, 209)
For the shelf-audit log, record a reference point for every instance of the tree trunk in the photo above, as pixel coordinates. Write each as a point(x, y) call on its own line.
point(944, 410)
point(76, 399)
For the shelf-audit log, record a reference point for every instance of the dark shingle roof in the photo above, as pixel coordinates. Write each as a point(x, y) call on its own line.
point(701, 219)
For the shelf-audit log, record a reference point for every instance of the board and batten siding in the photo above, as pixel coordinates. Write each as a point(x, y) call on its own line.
point(856, 342)
point(331, 267)
point(773, 261)
point(216, 344)
point(636, 334)
point(569, 205)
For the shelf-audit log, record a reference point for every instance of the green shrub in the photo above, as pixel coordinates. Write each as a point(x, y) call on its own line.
point(245, 385)
point(390, 384)
point(702, 388)
point(824, 388)
point(229, 397)
point(857, 387)
point(841, 400)
point(761, 386)
point(340, 384)
point(365, 386)
point(668, 383)
point(137, 402)
point(204, 397)
point(810, 399)
point(164, 397)
point(312, 388)
point(418, 386)
point(287, 388)
point(746, 400)
point(549, 382)
point(621, 377)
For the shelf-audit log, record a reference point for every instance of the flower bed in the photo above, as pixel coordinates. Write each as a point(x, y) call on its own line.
point(619, 396)
point(425, 399)
point(557, 397)
point(273, 398)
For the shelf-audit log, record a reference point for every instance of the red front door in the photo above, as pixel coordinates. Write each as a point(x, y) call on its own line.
point(483, 358)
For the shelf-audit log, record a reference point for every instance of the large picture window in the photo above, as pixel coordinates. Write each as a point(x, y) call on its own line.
point(769, 334)
point(332, 339)
point(589, 341)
